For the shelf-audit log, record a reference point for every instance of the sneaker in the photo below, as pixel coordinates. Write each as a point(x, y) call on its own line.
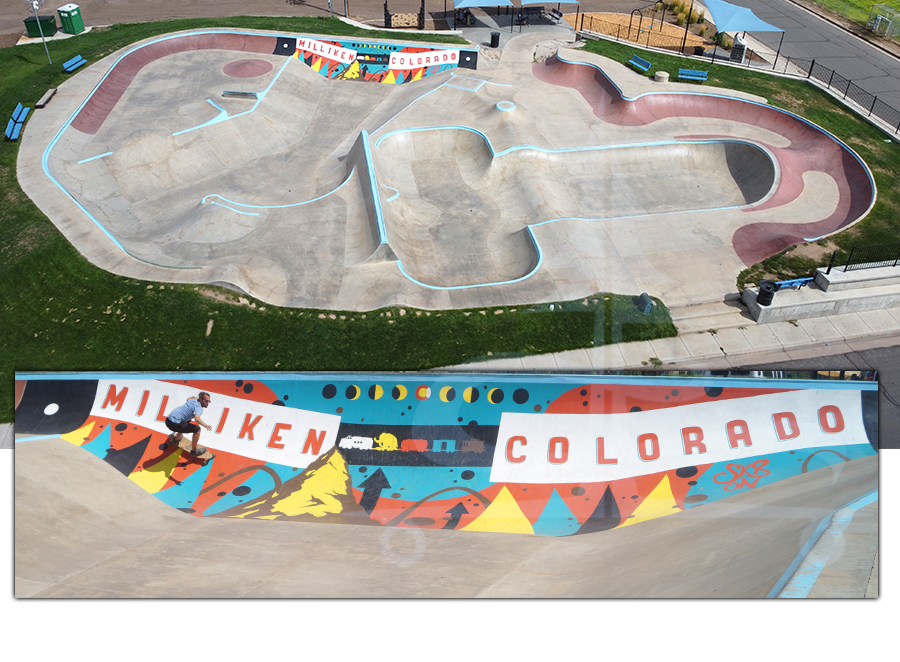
point(198, 451)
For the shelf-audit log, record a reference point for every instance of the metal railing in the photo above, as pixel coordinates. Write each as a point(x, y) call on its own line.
point(644, 34)
point(869, 257)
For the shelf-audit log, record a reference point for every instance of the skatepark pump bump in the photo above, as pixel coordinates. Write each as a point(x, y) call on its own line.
point(517, 182)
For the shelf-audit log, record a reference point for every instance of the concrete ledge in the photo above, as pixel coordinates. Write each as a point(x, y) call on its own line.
point(811, 301)
point(840, 280)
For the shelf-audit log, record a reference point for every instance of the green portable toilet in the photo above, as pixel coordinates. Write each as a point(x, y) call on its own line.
point(47, 25)
point(70, 19)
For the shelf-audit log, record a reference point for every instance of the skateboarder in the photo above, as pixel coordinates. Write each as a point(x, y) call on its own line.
point(181, 420)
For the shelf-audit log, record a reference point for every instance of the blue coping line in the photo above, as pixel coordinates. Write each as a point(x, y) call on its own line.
point(755, 103)
point(373, 184)
point(46, 156)
point(735, 382)
point(293, 204)
point(396, 193)
point(805, 581)
point(43, 436)
point(534, 241)
point(91, 158)
point(238, 211)
point(223, 115)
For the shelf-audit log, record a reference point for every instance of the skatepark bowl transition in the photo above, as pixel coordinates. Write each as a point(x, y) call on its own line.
point(445, 485)
point(315, 171)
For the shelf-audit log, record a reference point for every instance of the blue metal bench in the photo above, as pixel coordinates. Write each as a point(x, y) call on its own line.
point(692, 74)
point(74, 63)
point(640, 63)
point(14, 127)
point(796, 282)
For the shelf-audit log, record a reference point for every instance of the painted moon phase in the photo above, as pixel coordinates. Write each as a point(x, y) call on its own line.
point(375, 391)
point(448, 394)
point(495, 396)
point(398, 392)
point(470, 394)
point(352, 392)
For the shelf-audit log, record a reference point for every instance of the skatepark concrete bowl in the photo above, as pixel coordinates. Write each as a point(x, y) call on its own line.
point(210, 157)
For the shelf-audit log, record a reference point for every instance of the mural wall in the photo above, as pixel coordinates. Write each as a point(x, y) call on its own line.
point(536, 454)
point(368, 61)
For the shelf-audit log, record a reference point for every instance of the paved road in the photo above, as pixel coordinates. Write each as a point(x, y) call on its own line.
point(886, 361)
point(808, 36)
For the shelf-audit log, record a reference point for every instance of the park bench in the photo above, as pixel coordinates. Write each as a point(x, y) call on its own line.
point(692, 74)
point(555, 15)
point(796, 282)
point(74, 63)
point(46, 98)
point(14, 127)
point(640, 63)
point(527, 13)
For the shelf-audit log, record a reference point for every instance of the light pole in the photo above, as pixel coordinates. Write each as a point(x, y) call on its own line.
point(35, 5)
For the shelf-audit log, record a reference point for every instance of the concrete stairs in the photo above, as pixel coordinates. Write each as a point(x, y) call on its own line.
point(711, 315)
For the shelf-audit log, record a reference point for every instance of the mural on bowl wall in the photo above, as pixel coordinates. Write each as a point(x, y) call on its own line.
point(536, 454)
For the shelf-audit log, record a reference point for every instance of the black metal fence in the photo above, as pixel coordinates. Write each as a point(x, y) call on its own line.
point(870, 257)
point(648, 33)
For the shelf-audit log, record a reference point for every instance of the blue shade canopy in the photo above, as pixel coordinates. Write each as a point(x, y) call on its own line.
point(548, 2)
point(731, 18)
point(470, 4)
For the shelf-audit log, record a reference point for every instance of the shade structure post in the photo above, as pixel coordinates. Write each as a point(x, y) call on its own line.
point(687, 23)
point(778, 52)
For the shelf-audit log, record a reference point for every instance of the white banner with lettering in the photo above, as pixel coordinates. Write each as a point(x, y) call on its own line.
point(265, 432)
point(590, 448)
point(407, 61)
point(328, 51)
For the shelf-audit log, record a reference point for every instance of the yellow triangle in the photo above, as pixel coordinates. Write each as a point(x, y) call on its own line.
point(154, 478)
point(418, 76)
point(77, 436)
point(659, 502)
point(390, 78)
point(504, 515)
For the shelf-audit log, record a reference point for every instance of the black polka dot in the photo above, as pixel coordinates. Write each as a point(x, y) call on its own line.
point(241, 490)
point(520, 396)
point(329, 391)
point(713, 391)
point(686, 472)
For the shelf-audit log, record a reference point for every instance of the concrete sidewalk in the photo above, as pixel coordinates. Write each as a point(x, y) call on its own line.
point(719, 337)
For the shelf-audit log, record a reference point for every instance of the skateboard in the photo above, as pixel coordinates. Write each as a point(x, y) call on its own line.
point(185, 445)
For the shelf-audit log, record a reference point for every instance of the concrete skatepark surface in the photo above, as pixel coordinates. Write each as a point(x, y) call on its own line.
point(450, 477)
point(517, 182)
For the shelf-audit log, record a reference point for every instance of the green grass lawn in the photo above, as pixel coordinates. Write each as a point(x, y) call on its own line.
point(61, 313)
point(882, 155)
point(856, 10)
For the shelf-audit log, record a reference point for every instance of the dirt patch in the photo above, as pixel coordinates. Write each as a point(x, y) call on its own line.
point(645, 33)
point(222, 296)
point(820, 254)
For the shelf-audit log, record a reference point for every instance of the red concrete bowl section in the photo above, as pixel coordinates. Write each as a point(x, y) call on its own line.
point(247, 68)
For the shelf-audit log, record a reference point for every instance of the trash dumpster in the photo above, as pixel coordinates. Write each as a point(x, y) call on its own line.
point(47, 26)
point(70, 19)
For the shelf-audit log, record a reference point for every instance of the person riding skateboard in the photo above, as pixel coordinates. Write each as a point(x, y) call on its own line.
point(181, 420)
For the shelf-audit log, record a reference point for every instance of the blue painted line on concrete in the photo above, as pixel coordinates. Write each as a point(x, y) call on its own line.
point(245, 213)
point(43, 436)
point(746, 382)
point(801, 575)
point(91, 158)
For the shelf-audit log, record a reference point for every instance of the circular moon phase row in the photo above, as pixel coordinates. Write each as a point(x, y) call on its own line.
point(424, 392)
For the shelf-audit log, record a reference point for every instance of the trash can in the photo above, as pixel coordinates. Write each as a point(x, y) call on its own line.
point(495, 40)
point(47, 26)
point(767, 290)
point(70, 19)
